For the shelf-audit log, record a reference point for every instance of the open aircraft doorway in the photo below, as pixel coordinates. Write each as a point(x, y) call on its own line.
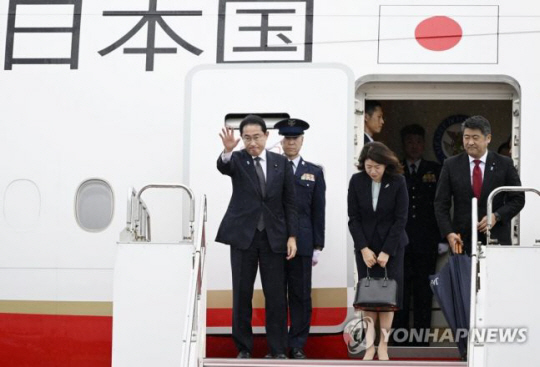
point(439, 104)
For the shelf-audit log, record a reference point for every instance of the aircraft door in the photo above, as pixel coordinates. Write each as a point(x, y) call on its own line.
point(319, 94)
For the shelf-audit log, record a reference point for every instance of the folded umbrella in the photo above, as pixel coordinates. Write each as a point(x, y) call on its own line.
point(452, 289)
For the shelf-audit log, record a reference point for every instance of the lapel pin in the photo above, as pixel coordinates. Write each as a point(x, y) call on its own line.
point(248, 163)
point(303, 163)
point(387, 185)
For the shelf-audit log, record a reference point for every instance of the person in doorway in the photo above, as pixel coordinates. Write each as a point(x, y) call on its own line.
point(373, 120)
point(421, 253)
point(476, 173)
point(260, 225)
point(377, 207)
point(311, 202)
point(505, 149)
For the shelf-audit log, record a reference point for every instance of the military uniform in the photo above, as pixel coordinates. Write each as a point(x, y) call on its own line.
point(310, 200)
point(424, 236)
point(310, 189)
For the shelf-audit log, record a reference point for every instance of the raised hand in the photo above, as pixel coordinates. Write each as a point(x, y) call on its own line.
point(228, 139)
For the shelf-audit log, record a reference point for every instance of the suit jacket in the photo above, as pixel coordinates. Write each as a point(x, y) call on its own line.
point(247, 203)
point(455, 183)
point(422, 228)
point(388, 220)
point(310, 190)
point(366, 139)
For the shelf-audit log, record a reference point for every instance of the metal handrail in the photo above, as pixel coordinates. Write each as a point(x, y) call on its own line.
point(171, 186)
point(194, 328)
point(136, 230)
point(474, 266)
point(490, 203)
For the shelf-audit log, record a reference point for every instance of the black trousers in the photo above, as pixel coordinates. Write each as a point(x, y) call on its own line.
point(299, 297)
point(244, 264)
point(418, 267)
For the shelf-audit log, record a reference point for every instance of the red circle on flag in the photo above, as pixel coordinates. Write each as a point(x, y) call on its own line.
point(438, 33)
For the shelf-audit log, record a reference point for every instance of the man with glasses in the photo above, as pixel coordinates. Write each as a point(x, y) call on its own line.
point(260, 225)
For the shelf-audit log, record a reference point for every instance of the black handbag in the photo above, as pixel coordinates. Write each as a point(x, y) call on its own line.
point(376, 294)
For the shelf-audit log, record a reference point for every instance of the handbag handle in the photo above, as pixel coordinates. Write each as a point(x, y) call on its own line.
point(384, 280)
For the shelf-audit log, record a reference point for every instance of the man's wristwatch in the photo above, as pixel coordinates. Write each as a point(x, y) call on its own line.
point(497, 216)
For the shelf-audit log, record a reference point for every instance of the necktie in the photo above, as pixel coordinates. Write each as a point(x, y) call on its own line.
point(477, 179)
point(413, 169)
point(292, 166)
point(262, 184)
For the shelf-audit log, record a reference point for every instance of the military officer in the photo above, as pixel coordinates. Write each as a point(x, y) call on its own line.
point(310, 200)
point(421, 253)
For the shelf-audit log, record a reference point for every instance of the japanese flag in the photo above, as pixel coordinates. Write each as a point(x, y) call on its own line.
point(438, 34)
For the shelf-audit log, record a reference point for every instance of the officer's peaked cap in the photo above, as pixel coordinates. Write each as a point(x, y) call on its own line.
point(291, 127)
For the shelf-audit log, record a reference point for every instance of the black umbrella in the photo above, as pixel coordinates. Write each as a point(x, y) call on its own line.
point(452, 288)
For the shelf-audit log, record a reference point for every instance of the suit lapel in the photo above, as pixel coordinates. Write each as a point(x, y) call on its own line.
point(489, 171)
point(406, 171)
point(421, 169)
point(249, 165)
point(271, 167)
point(367, 193)
point(465, 172)
point(383, 193)
point(301, 169)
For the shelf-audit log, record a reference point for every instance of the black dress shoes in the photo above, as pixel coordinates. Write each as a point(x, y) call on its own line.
point(276, 356)
point(244, 354)
point(297, 353)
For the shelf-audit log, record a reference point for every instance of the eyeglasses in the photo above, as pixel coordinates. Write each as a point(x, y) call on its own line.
point(254, 138)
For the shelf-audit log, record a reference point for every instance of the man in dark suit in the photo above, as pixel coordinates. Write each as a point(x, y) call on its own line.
point(260, 225)
point(476, 173)
point(310, 201)
point(373, 120)
point(421, 253)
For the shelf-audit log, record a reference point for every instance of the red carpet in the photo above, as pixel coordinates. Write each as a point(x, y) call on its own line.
point(325, 346)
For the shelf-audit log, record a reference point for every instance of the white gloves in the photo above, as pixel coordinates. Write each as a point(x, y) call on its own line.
point(315, 258)
point(443, 247)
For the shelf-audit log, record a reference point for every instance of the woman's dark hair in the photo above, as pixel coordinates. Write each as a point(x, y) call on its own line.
point(380, 153)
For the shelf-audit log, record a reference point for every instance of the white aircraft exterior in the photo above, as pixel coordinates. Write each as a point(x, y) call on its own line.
point(99, 97)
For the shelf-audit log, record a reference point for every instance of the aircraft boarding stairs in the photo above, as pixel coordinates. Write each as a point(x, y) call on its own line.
point(159, 307)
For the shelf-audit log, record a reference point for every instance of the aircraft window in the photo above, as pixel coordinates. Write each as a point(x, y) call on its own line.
point(22, 204)
point(94, 205)
point(233, 119)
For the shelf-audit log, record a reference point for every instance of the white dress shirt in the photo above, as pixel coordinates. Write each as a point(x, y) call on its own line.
point(482, 164)
point(416, 163)
point(375, 190)
point(295, 164)
point(369, 138)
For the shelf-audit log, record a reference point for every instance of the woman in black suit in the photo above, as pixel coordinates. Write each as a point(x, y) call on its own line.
point(377, 206)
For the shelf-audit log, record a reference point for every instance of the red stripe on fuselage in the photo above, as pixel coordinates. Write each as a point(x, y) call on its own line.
point(29, 340)
point(55, 340)
point(321, 316)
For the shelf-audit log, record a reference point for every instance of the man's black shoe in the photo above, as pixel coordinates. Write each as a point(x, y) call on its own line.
point(244, 354)
point(297, 353)
point(276, 356)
